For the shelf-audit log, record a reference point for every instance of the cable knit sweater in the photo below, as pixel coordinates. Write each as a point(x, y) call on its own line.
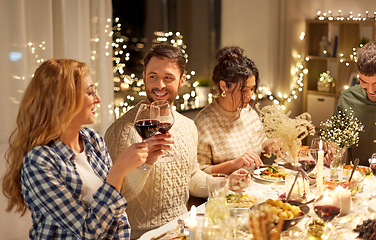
point(160, 194)
point(224, 135)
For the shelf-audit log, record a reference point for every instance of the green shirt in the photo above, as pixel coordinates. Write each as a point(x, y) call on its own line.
point(365, 110)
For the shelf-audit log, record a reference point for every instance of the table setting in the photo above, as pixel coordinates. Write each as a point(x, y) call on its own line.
point(360, 207)
point(308, 193)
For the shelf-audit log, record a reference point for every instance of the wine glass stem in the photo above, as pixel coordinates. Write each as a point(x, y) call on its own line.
point(143, 166)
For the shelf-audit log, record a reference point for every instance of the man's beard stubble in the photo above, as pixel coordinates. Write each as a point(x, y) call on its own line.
point(171, 98)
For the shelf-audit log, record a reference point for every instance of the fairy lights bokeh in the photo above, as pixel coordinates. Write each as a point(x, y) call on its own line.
point(190, 100)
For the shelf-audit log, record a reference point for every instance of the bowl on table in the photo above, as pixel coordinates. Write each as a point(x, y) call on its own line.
point(290, 220)
point(355, 186)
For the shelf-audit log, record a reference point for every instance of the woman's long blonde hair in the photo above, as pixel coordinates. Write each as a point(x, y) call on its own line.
point(51, 100)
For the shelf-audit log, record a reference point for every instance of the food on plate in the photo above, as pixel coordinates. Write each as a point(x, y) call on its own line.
point(172, 234)
point(240, 201)
point(367, 229)
point(283, 210)
point(348, 168)
point(354, 186)
point(274, 173)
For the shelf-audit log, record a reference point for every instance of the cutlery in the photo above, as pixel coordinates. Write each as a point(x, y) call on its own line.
point(183, 228)
point(356, 162)
point(160, 236)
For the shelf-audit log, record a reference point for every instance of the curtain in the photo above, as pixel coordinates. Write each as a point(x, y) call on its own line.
point(34, 31)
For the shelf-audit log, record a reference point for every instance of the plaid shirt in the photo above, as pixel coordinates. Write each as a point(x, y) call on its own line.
point(52, 189)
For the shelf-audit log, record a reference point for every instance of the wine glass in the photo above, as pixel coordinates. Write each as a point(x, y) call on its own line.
point(315, 144)
point(307, 159)
point(146, 122)
point(327, 206)
point(372, 165)
point(166, 120)
point(319, 144)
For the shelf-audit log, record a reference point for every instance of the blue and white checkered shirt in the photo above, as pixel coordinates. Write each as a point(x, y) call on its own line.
point(52, 189)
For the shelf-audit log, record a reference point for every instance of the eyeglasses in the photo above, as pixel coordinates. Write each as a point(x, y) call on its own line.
point(93, 92)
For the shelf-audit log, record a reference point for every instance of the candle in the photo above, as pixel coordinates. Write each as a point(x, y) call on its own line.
point(343, 199)
point(327, 199)
point(320, 169)
point(192, 223)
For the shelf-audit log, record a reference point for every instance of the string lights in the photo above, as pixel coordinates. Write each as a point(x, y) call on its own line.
point(300, 71)
point(128, 86)
point(189, 99)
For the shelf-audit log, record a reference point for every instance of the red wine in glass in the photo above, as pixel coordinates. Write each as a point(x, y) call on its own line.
point(164, 127)
point(146, 122)
point(146, 128)
point(307, 159)
point(166, 121)
point(327, 212)
point(307, 165)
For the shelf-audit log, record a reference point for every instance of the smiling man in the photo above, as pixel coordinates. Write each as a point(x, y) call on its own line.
point(159, 194)
point(362, 100)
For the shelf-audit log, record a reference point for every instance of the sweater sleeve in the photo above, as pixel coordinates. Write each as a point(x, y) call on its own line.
point(197, 186)
point(119, 136)
point(204, 149)
point(204, 152)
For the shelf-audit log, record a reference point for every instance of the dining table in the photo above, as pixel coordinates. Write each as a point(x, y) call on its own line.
point(363, 207)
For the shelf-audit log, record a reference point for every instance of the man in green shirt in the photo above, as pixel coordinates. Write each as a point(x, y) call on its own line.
point(362, 100)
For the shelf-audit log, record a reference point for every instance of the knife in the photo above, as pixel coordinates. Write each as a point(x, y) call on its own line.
point(356, 162)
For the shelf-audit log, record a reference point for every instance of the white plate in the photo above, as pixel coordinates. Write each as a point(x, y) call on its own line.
point(372, 205)
point(156, 232)
point(256, 175)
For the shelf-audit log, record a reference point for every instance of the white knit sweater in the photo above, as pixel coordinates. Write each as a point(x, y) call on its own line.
point(158, 195)
point(223, 135)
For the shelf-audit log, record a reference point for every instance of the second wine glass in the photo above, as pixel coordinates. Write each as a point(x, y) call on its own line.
point(166, 121)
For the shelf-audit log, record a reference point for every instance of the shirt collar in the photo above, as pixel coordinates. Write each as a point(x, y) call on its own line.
point(67, 153)
point(232, 116)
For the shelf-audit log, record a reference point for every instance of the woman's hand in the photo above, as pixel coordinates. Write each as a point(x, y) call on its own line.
point(130, 159)
point(248, 159)
point(328, 157)
point(239, 179)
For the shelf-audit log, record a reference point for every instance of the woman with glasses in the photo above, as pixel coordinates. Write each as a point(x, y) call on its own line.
point(59, 169)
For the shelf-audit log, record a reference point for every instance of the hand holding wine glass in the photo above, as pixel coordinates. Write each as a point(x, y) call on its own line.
point(166, 121)
point(147, 121)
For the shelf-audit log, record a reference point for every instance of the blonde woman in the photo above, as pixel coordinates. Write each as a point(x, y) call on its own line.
point(60, 170)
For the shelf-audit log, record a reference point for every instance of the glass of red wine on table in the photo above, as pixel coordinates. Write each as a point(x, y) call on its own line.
point(147, 122)
point(327, 206)
point(307, 159)
point(166, 121)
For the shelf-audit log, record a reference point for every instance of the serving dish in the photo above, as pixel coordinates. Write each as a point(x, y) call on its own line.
point(293, 221)
point(355, 186)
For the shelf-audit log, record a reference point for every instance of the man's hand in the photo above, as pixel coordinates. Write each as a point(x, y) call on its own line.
point(158, 144)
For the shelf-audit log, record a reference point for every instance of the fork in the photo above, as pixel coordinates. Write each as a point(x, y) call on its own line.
point(183, 228)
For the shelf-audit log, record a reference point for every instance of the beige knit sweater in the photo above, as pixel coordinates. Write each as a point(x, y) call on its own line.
point(223, 135)
point(158, 195)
